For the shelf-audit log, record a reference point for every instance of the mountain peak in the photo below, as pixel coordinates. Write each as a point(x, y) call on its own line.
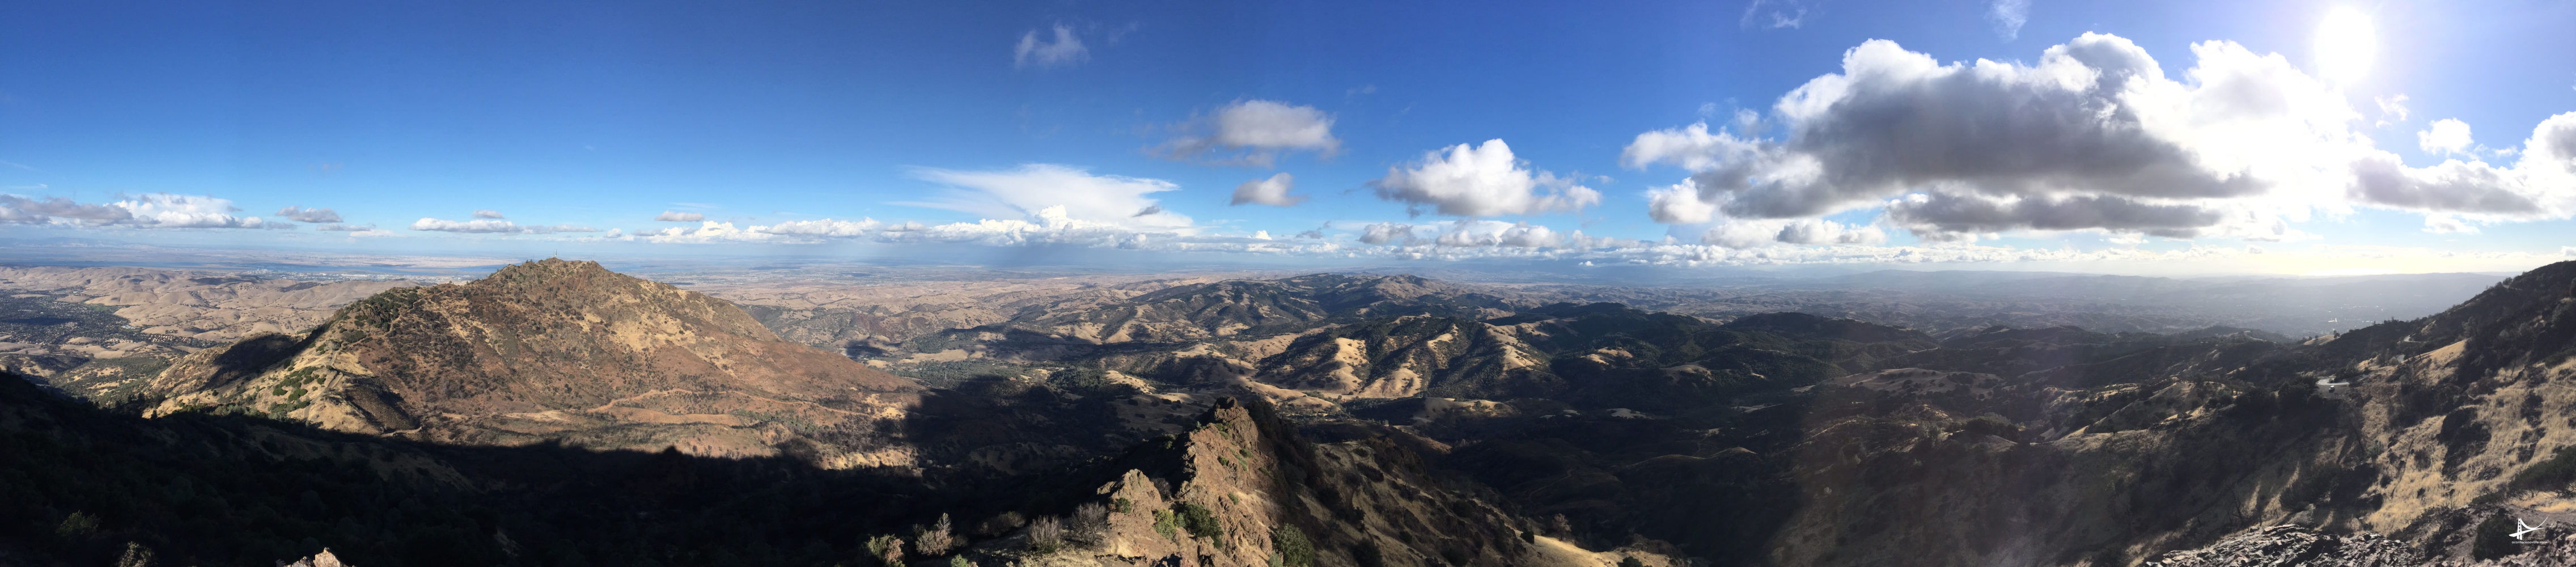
point(548, 349)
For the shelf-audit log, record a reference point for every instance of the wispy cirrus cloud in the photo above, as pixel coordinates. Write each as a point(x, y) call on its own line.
point(492, 226)
point(1080, 195)
point(1065, 48)
point(301, 214)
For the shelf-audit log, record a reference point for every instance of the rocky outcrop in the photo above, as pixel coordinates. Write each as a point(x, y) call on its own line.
point(2295, 546)
point(1243, 488)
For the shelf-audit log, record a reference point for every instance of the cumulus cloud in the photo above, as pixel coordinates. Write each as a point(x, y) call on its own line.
point(1497, 233)
point(1481, 180)
point(1386, 232)
point(493, 226)
point(1272, 191)
point(309, 215)
point(164, 210)
point(675, 216)
point(2445, 136)
point(2092, 136)
point(1678, 204)
point(58, 210)
point(1765, 233)
point(155, 210)
point(338, 227)
point(1066, 48)
point(1020, 192)
point(1253, 132)
point(1958, 213)
point(487, 214)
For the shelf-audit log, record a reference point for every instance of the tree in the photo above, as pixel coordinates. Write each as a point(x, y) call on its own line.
point(887, 549)
point(136, 555)
point(1292, 546)
point(1045, 533)
point(936, 540)
point(1090, 522)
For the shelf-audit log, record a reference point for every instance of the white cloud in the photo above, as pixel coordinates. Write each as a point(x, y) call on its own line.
point(1065, 49)
point(1763, 233)
point(2093, 137)
point(1487, 233)
point(824, 227)
point(1386, 232)
point(153, 210)
point(1678, 204)
point(337, 227)
point(1272, 191)
point(2390, 106)
point(675, 216)
point(309, 215)
point(2008, 17)
point(2445, 136)
point(1819, 231)
point(1776, 14)
point(2447, 224)
point(1257, 131)
point(492, 226)
point(1482, 180)
point(487, 214)
point(164, 210)
point(1109, 200)
point(58, 210)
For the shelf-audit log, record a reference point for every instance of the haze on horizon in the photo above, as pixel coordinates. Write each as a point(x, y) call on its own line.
point(1674, 139)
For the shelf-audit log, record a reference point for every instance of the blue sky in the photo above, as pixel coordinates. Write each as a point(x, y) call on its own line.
point(948, 130)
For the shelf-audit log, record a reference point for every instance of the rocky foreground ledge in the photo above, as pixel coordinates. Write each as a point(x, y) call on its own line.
point(2297, 546)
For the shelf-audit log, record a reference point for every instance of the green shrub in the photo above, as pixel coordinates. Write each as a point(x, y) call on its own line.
point(2555, 473)
point(1164, 523)
point(1200, 521)
point(1294, 550)
point(76, 526)
point(2494, 538)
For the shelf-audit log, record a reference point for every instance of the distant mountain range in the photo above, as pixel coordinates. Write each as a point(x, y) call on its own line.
point(559, 413)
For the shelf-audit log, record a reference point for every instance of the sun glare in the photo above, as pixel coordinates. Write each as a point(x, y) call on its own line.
point(2346, 44)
